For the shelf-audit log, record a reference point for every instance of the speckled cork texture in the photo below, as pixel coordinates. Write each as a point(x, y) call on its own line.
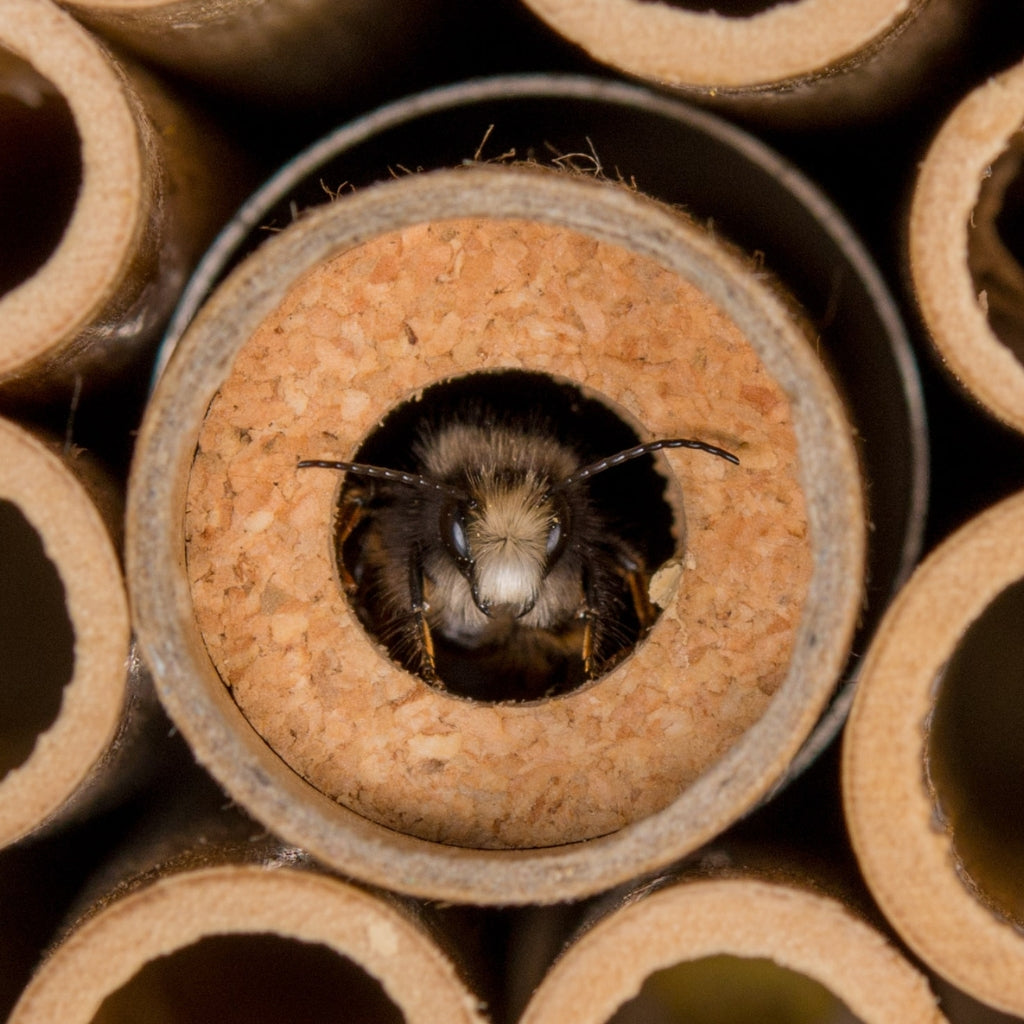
point(372, 327)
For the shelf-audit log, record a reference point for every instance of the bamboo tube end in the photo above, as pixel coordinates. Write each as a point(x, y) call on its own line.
point(667, 937)
point(45, 49)
point(896, 798)
point(968, 283)
point(681, 46)
point(92, 629)
point(146, 182)
point(213, 937)
point(483, 270)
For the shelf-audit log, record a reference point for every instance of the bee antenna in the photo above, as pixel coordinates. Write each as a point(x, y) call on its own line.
point(396, 476)
point(586, 472)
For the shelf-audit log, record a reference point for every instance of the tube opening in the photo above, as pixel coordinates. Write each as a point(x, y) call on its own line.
point(238, 979)
point(37, 640)
point(40, 169)
point(995, 248)
point(733, 990)
point(504, 587)
point(726, 8)
point(975, 759)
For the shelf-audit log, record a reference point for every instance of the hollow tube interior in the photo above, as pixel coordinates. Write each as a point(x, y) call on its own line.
point(238, 979)
point(40, 169)
point(37, 640)
point(975, 757)
point(995, 247)
point(726, 8)
point(630, 497)
point(732, 990)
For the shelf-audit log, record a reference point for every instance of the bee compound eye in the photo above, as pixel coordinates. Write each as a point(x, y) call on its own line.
point(459, 541)
point(453, 533)
point(558, 531)
point(554, 540)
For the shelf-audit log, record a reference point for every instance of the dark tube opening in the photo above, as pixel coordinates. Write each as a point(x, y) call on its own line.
point(37, 640)
point(240, 979)
point(732, 990)
point(40, 169)
point(995, 247)
point(975, 754)
point(726, 8)
point(389, 533)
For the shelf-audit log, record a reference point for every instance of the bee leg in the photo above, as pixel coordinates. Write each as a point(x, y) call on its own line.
point(630, 568)
point(419, 607)
point(636, 582)
point(588, 645)
point(587, 613)
point(350, 515)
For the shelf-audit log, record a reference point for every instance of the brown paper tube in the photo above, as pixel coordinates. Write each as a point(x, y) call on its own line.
point(277, 52)
point(932, 760)
point(74, 698)
point(137, 192)
point(242, 939)
point(727, 949)
point(374, 769)
point(967, 276)
point(801, 61)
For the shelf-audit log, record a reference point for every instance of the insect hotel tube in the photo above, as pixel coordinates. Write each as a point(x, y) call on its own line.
point(534, 279)
point(965, 267)
point(236, 927)
point(729, 947)
point(803, 62)
point(277, 52)
point(111, 195)
point(688, 158)
point(74, 701)
point(932, 760)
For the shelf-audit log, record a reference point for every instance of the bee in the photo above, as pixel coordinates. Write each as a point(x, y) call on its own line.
point(487, 566)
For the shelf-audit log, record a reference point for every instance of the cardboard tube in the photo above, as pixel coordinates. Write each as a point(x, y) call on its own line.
point(276, 52)
point(143, 186)
point(805, 61)
point(239, 932)
point(921, 775)
point(75, 698)
point(968, 283)
point(349, 798)
point(733, 943)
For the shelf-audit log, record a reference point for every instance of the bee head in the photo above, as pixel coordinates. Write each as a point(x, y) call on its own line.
point(505, 539)
point(504, 516)
point(511, 532)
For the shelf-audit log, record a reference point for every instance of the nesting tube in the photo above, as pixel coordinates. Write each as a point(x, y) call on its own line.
point(931, 760)
point(966, 272)
point(691, 159)
point(804, 61)
point(276, 52)
point(724, 949)
point(236, 931)
point(126, 192)
point(75, 700)
point(373, 300)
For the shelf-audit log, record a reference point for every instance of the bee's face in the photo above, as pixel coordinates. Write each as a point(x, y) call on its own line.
point(491, 562)
point(505, 540)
